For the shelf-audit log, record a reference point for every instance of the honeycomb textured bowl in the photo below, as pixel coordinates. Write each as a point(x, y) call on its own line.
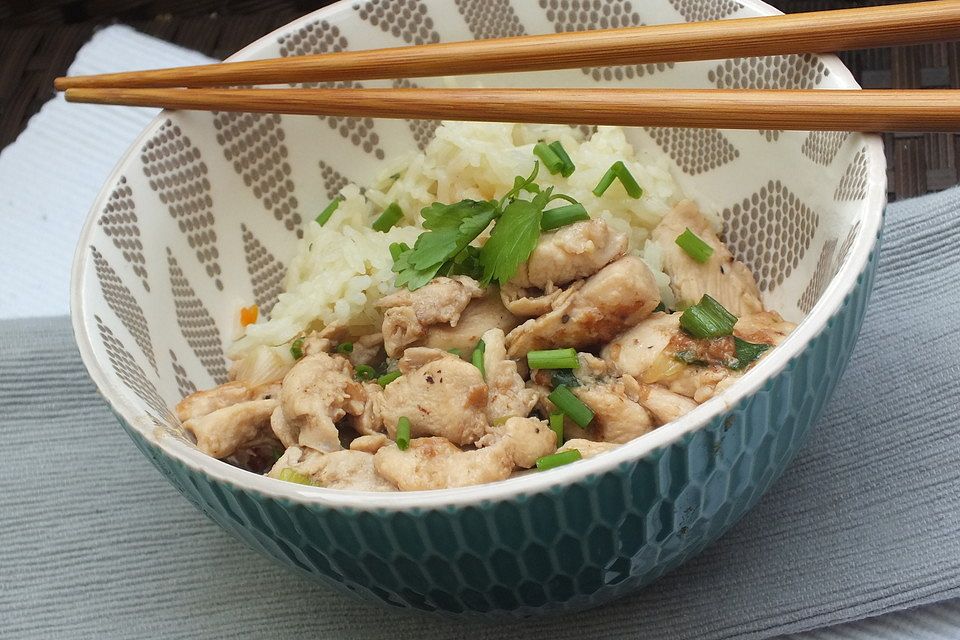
point(205, 210)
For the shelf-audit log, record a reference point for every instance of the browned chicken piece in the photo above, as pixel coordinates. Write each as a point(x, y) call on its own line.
point(366, 349)
point(318, 392)
point(570, 253)
point(335, 470)
point(529, 303)
point(727, 280)
point(618, 415)
point(766, 327)
point(222, 432)
point(369, 443)
point(440, 394)
point(587, 448)
point(482, 313)
point(508, 395)
point(436, 463)
point(201, 403)
point(591, 312)
point(634, 351)
point(409, 315)
point(370, 420)
point(665, 405)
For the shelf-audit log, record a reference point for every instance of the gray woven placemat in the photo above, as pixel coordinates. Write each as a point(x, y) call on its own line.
point(95, 544)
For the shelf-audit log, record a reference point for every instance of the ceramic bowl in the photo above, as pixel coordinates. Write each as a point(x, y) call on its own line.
point(204, 211)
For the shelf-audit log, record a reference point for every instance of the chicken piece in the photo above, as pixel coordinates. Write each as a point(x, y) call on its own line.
point(481, 314)
point(529, 303)
point(408, 314)
point(367, 348)
point(201, 403)
point(618, 415)
point(222, 432)
point(587, 448)
point(319, 391)
point(766, 327)
point(593, 311)
point(570, 253)
point(370, 443)
point(665, 405)
point(507, 393)
point(440, 394)
point(370, 420)
point(346, 469)
point(436, 463)
point(634, 351)
point(727, 280)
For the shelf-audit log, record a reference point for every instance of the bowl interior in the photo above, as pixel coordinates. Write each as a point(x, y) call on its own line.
point(204, 211)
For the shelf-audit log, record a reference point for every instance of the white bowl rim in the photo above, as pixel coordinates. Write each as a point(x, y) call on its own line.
point(826, 307)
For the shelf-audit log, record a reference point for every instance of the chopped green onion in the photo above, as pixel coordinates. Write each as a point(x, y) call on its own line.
point(618, 171)
point(694, 246)
point(345, 347)
point(556, 425)
point(292, 475)
point(565, 377)
point(746, 353)
point(390, 216)
point(568, 167)
point(326, 213)
point(387, 378)
point(553, 359)
point(296, 348)
point(365, 372)
point(708, 319)
point(562, 216)
point(571, 406)
point(397, 249)
point(548, 157)
point(558, 459)
point(456, 352)
point(403, 433)
point(477, 357)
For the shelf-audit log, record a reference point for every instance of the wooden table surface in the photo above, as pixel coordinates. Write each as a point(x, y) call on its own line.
point(39, 39)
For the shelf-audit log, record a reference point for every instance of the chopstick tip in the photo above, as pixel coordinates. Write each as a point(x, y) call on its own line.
point(62, 83)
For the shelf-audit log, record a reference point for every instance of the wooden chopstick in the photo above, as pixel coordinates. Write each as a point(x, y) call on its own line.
point(816, 32)
point(844, 110)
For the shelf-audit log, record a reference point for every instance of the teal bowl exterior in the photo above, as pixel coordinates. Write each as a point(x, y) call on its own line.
point(569, 547)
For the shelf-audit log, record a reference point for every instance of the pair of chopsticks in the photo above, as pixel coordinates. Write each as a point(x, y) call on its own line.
point(872, 110)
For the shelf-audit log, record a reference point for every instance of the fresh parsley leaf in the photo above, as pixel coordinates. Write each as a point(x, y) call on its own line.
point(465, 263)
point(409, 276)
point(513, 238)
point(451, 228)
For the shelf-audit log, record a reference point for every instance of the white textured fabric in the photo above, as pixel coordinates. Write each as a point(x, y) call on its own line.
point(51, 174)
point(95, 544)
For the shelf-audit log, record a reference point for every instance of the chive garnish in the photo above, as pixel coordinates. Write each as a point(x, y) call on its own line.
point(567, 168)
point(562, 216)
point(477, 357)
point(364, 372)
point(390, 216)
point(618, 171)
point(549, 157)
point(292, 475)
point(746, 353)
point(345, 347)
point(558, 459)
point(403, 433)
point(571, 406)
point(296, 348)
point(553, 359)
point(708, 319)
point(387, 378)
point(694, 246)
point(556, 425)
point(326, 213)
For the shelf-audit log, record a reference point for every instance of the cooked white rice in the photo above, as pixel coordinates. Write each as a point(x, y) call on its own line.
point(341, 269)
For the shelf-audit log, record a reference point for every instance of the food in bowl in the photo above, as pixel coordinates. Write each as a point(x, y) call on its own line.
point(512, 297)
